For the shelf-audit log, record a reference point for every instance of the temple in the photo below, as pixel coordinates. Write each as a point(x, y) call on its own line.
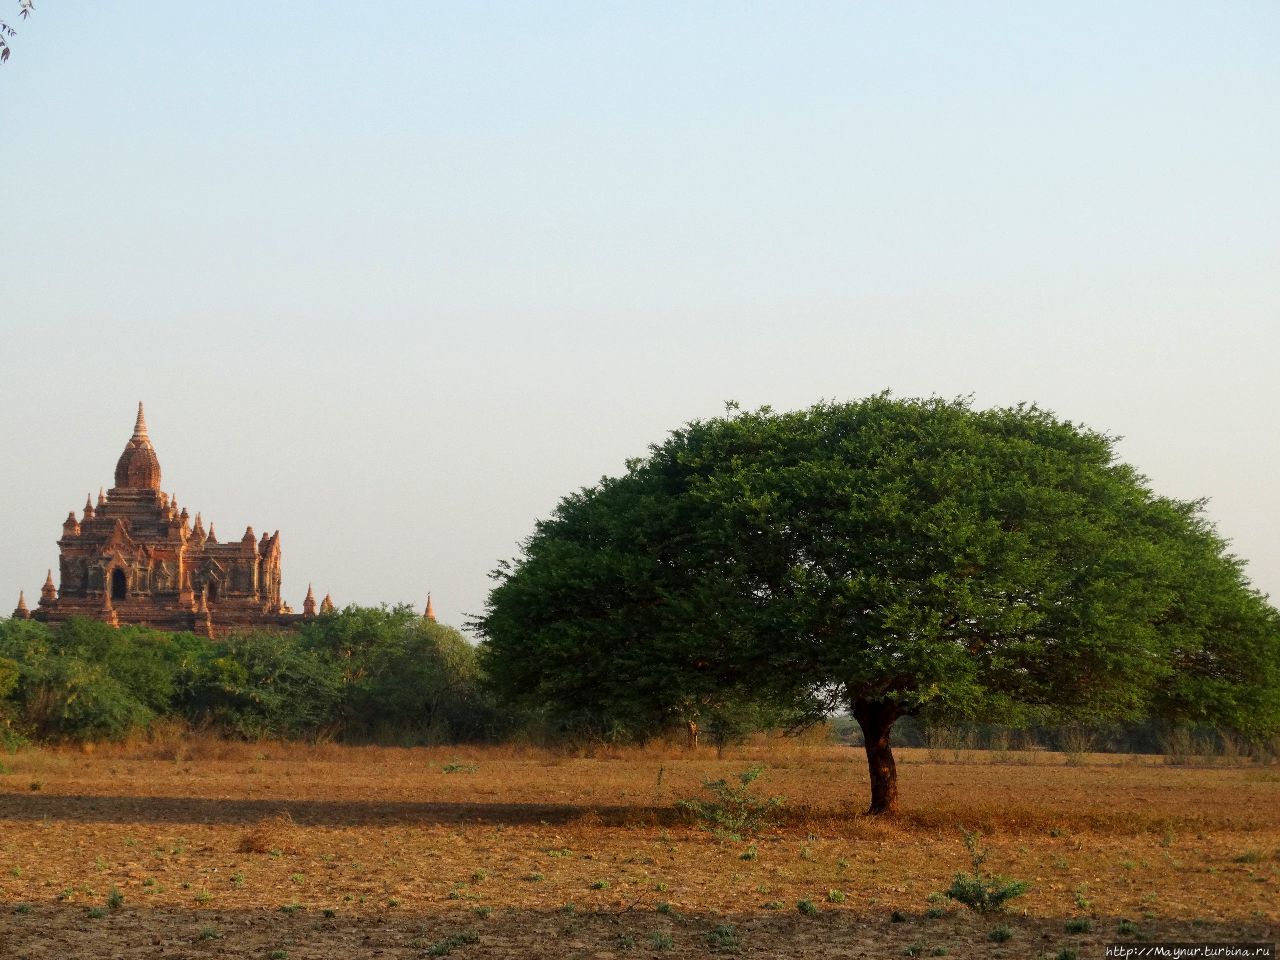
point(136, 557)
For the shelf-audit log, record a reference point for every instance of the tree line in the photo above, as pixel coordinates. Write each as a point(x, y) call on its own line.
point(897, 560)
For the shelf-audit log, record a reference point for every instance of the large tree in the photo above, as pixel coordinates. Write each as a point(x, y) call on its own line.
point(892, 557)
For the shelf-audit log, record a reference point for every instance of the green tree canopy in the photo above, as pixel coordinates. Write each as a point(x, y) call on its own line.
point(896, 557)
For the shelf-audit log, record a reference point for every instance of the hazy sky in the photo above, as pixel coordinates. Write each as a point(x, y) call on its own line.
point(394, 277)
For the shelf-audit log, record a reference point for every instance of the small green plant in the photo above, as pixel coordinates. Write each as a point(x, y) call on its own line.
point(22, 909)
point(807, 907)
point(1067, 953)
point(97, 913)
point(1000, 934)
point(210, 933)
point(664, 907)
point(835, 896)
point(36, 784)
point(1250, 856)
point(749, 854)
point(1079, 925)
point(328, 913)
point(626, 941)
point(979, 890)
point(237, 879)
point(203, 895)
point(724, 938)
point(935, 913)
point(115, 899)
point(279, 955)
point(913, 949)
point(897, 917)
point(660, 940)
point(774, 905)
point(735, 809)
point(600, 885)
point(479, 876)
point(482, 912)
point(535, 876)
point(457, 766)
point(292, 908)
point(444, 947)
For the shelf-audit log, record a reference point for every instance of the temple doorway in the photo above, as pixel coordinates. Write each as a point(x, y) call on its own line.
point(119, 586)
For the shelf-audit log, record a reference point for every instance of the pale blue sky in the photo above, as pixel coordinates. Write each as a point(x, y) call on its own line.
point(393, 278)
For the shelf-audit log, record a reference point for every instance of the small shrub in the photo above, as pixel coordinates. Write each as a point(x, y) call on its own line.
point(115, 899)
point(22, 909)
point(1127, 928)
point(457, 766)
point(1000, 934)
point(600, 885)
point(210, 933)
point(724, 938)
point(1079, 925)
point(980, 891)
point(835, 896)
point(774, 905)
point(444, 947)
point(749, 854)
point(660, 940)
point(734, 809)
point(807, 907)
point(1067, 953)
point(897, 917)
point(97, 913)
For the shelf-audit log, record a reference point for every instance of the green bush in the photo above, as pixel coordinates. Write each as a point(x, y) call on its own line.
point(979, 890)
point(735, 809)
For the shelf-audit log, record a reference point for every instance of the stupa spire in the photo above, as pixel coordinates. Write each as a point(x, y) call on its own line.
point(309, 604)
point(140, 425)
point(21, 612)
point(430, 612)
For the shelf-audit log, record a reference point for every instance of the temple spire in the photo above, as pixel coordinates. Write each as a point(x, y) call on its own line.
point(430, 612)
point(326, 605)
point(48, 591)
point(21, 612)
point(140, 425)
point(309, 604)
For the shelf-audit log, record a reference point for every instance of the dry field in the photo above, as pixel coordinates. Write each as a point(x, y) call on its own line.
point(208, 849)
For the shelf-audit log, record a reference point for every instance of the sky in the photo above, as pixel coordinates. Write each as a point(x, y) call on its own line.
point(394, 278)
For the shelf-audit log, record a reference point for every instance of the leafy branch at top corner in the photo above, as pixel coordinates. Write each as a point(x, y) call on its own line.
point(25, 9)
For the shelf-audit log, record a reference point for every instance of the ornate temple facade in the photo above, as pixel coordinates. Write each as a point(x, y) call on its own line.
point(137, 557)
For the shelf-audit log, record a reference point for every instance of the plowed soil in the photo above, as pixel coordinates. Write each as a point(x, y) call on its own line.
point(203, 849)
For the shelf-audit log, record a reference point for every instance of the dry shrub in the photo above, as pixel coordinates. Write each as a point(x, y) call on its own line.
point(272, 834)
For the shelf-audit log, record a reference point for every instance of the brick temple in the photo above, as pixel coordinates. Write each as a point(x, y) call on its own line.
point(136, 557)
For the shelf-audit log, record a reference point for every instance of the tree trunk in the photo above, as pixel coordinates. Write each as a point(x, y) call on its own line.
point(876, 718)
point(692, 726)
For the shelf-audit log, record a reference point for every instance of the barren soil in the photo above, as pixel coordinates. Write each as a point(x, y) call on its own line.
point(285, 851)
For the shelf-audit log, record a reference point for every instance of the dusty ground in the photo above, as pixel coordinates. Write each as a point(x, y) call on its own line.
point(284, 851)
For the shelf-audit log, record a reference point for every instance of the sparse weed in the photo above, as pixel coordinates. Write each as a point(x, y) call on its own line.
point(1079, 925)
point(724, 938)
point(209, 933)
point(735, 809)
point(443, 947)
point(457, 766)
point(980, 891)
point(835, 896)
point(807, 907)
point(660, 940)
point(1000, 934)
point(115, 899)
